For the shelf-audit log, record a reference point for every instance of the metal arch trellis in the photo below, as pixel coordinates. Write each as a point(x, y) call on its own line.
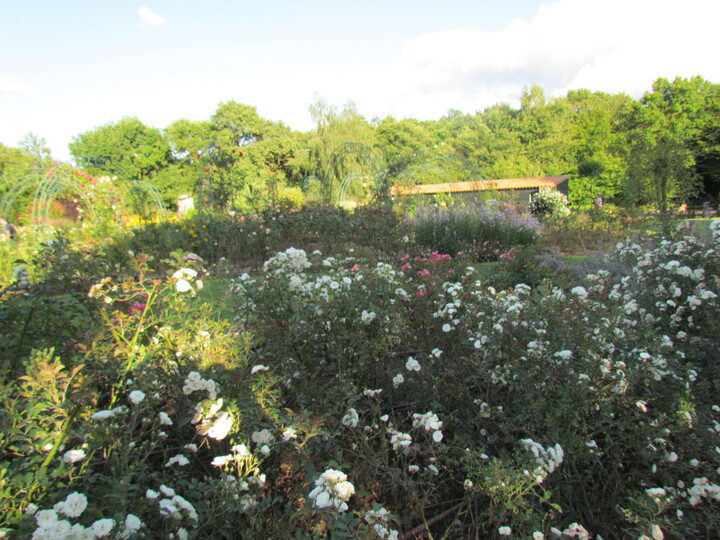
point(47, 184)
point(138, 188)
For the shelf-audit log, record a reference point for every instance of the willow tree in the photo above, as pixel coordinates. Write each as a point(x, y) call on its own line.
point(326, 161)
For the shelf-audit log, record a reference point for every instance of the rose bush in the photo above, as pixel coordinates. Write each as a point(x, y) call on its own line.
point(355, 398)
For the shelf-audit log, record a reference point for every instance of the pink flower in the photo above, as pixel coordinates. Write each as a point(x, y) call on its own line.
point(137, 306)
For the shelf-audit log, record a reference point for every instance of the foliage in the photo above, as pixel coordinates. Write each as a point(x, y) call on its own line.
point(486, 230)
point(421, 396)
point(49, 309)
point(245, 242)
point(672, 128)
point(596, 230)
point(127, 149)
point(329, 160)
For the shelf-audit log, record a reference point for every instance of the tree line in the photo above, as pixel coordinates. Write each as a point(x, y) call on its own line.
point(662, 149)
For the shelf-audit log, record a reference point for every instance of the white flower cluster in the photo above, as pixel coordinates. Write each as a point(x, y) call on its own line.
point(239, 451)
point(378, 518)
point(52, 527)
point(398, 439)
point(102, 415)
point(385, 271)
point(550, 202)
point(332, 489)
point(351, 418)
point(73, 456)
point(671, 276)
point(171, 504)
point(264, 439)
point(214, 423)
point(136, 396)
point(180, 460)
point(412, 364)
point(429, 422)
point(548, 459)
point(182, 280)
point(247, 500)
point(195, 382)
point(703, 489)
point(574, 530)
point(290, 261)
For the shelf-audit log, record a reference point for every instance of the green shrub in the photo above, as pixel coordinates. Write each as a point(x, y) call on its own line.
point(487, 230)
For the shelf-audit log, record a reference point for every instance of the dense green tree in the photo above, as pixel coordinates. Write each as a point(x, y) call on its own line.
point(12, 159)
point(692, 107)
point(501, 151)
point(246, 160)
point(601, 145)
point(188, 138)
point(668, 127)
point(545, 133)
point(128, 149)
point(659, 150)
point(397, 138)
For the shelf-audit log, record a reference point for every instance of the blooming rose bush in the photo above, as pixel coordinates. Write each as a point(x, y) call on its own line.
point(574, 373)
point(368, 399)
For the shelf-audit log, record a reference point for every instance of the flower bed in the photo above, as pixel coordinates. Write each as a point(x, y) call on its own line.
point(360, 399)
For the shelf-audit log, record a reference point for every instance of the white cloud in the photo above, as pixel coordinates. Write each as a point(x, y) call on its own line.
point(606, 45)
point(148, 18)
point(13, 87)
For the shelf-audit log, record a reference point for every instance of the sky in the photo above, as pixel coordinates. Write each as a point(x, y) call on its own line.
point(68, 67)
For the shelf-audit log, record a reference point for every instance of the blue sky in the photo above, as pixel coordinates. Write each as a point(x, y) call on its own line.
point(68, 67)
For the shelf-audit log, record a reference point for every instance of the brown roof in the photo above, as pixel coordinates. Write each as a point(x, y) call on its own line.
point(481, 185)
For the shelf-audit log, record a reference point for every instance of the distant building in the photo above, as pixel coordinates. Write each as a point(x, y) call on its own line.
point(185, 204)
point(520, 190)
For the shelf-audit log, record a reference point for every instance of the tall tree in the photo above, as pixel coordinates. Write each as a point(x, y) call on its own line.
point(246, 161)
point(396, 138)
point(12, 159)
point(128, 149)
point(668, 124)
point(332, 154)
point(600, 132)
point(188, 138)
point(36, 147)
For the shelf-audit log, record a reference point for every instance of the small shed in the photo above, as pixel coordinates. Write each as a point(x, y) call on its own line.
point(521, 190)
